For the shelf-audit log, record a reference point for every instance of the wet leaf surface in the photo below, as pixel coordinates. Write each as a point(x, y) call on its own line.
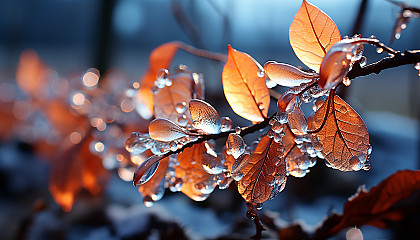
point(244, 88)
point(257, 183)
point(342, 133)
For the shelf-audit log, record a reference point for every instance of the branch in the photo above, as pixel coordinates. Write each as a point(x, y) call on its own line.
point(253, 215)
point(399, 59)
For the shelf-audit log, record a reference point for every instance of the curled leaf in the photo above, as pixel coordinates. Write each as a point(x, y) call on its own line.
point(205, 117)
point(342, 133)
point(145, 171)
point(261, 172)
point(244, 87)
point(235, 145)
point(339, 60)
point(287, 75)
point(311, 34)
point(165, 130)
point(151, 188)
point(160, 58)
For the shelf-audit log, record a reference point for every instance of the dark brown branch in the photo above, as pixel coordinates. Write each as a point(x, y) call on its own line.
point(399, 59)
point(258, 226)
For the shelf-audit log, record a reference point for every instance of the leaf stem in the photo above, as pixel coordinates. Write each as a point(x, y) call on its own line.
point(203, 53)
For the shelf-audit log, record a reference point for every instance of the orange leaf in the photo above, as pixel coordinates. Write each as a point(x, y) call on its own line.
point(244, 89)
point(261, 173)
point(390, 200)
point(73, 169)
point(311, 34)
point(171, 102)
point(342, 133)
point(161, 57)
point(191, 172)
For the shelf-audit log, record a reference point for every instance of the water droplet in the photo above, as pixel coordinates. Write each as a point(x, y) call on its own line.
point(366, 167)
point(148, 202)
point(372, 36)
point(349, 56)
point(237, 176)
point(224, 184)
point(270, 83)
point(261, 73)
point(159, 148)
point(278, 138)
point(346, 81)
point(355, 163)
point(226, 124)
point(363, 61)
point(162, 74)
point(297, 172)
point(397, 35)
point(158, 192)
point(137, 143)
point(403, 26)
point(205, 117)
point(261, 106)
point(173, 146)
point(182, 121)
point(205, 187)
point(354, 234)
point(272, 121)
point(235, 145)
point(282, 117)
point(369, 151)
point(211, 164)
point(277, 127)
point(259, 206)
point(271, 134)
point(379, 50)
point(168, 82)
point(238, 130)
point(181, 107)
point(251, 214)
point(417, 66)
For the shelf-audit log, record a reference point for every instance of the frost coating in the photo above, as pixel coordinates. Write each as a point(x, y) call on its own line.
point(205, 117)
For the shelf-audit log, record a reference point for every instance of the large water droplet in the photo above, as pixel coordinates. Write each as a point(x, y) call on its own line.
point(251, 214)
point(211, 164)
point(147, 201)
point(182, 121)
point(235, 145)
point(181, 107)
point(160, 148)
point(261, 73)
point(137, 143)
point(206, 187)
point(277, 127)
point(205, 117)
point(297, 172)
point(226, 124)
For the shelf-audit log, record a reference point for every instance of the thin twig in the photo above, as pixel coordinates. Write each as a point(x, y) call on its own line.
point(399, 59)
point(203, 53)
point(258, 226)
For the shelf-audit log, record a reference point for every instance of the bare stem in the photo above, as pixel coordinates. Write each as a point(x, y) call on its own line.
point(399, 59)
point(258, 226)
point(203, 53)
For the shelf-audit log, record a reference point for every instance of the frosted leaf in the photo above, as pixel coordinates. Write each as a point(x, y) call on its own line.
point(211, 164)
point(204, 117)
point(146, 170)
point(287, 75)
point(137, 143)
point(235, 145)
point(165, 130)
point(226, 124)
point(297, 122)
